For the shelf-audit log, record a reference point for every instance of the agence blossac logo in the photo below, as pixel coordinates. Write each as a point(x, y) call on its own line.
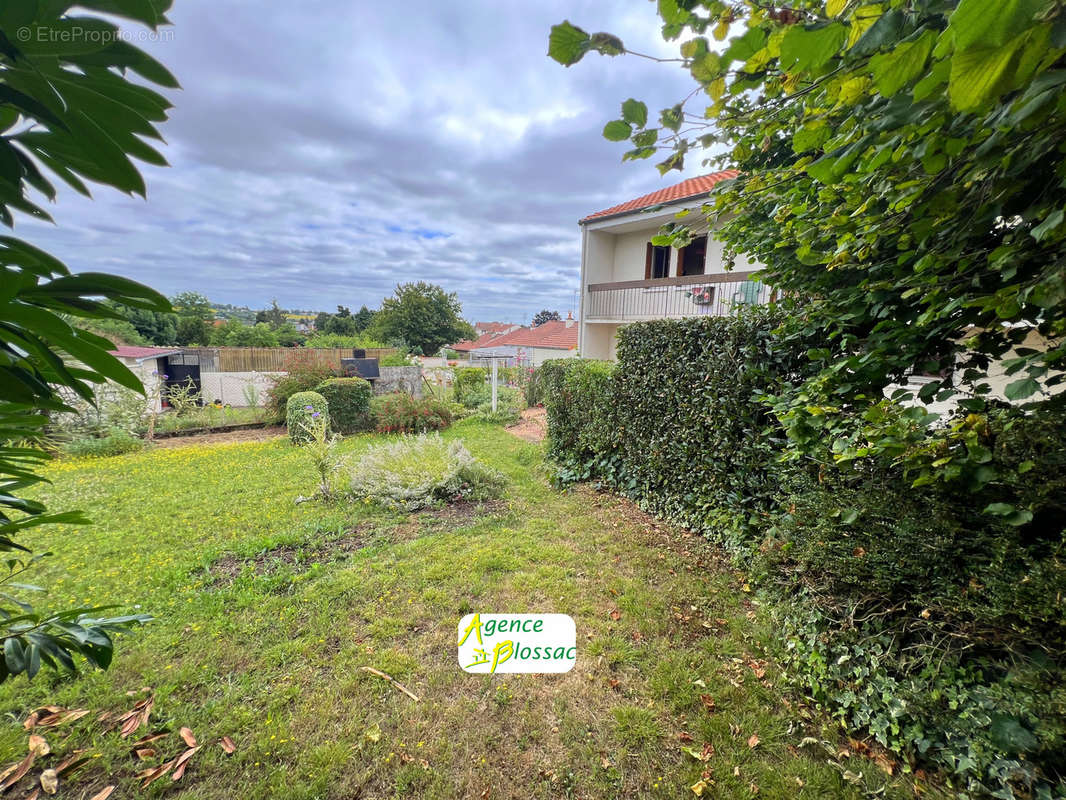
point(509, 643)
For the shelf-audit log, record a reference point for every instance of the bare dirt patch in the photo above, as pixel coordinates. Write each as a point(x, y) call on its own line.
point(533, 425)
point(222, 437)
point(457, 515)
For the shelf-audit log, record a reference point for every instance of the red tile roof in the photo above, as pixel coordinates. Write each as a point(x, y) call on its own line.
point(681, 191)
point(494, 327)
point(140, 353)
point(554, 334)
point(481, 341)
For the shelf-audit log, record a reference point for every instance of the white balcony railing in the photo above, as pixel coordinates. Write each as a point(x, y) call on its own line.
point(718, 294)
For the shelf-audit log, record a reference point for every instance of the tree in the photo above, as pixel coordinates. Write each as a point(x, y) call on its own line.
point(192, 332)
point(421, 315)
point(321, 320)
point(901, 170)
point(545, 316)
point(193, 304)
point(68, 110)
point(158, 327)
point(364, 318)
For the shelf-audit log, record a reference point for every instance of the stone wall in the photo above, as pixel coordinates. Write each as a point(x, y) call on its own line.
point(399, 379)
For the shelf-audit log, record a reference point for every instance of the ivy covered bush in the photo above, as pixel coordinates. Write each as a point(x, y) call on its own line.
point(349, 403)
point(301, 411)
point(930, 615)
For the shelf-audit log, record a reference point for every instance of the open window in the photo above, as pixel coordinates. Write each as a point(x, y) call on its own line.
point(656, 262)
point(692, 259)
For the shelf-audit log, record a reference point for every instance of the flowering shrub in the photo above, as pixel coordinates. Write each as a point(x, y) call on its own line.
point(419, 471)
point(701, 295)
point(301, 411)
point(401, 413)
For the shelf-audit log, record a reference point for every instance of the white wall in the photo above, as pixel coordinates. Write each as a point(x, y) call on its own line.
point(229, 386)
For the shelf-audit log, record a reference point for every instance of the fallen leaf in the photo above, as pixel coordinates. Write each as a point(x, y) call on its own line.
point(708, 703)
point(182, 762)
point(71, 762)
point(746, 587)
point(154, 737)
point(155, 773)
point(227, 745)
point(616, 614)
point(15, 775)
point(38, 745)
point(103, 794)
point(188, 737)
point(31, 720)
point(696, 754)
point(698, 787)
point(49, 781)
point(685, 736)
point(753, 741)
point(707, 752)
point(145, 753)
point(613, 683)
point(373, 734)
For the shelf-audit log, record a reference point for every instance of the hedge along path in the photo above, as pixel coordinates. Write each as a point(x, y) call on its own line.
point(673, 677)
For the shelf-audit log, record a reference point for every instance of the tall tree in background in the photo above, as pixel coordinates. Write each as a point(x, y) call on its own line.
point(66, 108)
point(422, 316)
point(545, 316)
point(901, 167)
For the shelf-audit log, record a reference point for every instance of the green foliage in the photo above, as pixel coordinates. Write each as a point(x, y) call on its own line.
point(118, 331)
point(302, 374)
point(401, 413)
point(935, 624)
point(236, 334)
point(900, 165)
point(419, 471)
point(545, 316)
point(423, 316)
point(329, 340)
point(184, 398)
point(115, 442)
point(467, 381)
point(397, 360)
point(302, 412)
point(320, 447)
point(71, 111)
point(349, 404)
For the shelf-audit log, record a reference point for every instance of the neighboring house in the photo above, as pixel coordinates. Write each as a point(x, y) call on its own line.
point(523, 346)
point(150, 365)
point(467, 346)
point(625, 278)
point(481, 328)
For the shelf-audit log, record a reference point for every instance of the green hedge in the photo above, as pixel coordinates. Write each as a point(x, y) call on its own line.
point(300, 410)
point(908, 611)
point(349, 404)
point(467, 381)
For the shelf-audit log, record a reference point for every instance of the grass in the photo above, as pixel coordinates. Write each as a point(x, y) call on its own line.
point(209, 417)
point(266, 610)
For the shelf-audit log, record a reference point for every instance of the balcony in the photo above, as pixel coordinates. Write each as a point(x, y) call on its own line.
point(716, 295)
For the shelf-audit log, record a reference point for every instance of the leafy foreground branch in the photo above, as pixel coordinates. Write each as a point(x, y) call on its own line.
point(65, 107)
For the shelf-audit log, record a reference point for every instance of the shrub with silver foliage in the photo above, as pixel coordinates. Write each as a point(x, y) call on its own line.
point(414, 472)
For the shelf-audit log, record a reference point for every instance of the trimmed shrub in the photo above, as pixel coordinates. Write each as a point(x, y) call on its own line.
point(399, 412)
point(349, 404)
point(300, 412)
point(419, 471)
point(303, 373)
point(929, 615)
point(467, 381)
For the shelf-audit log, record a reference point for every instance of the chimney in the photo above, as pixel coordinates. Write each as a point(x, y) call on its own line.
point(570, 319)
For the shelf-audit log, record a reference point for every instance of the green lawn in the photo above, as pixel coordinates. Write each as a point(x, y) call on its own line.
point(266, 610)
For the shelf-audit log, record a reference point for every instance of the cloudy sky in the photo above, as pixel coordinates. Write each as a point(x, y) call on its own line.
point(323, 151)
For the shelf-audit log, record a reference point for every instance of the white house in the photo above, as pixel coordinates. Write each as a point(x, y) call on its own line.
point(150, 365)
point(523, 346)
point(625, 278)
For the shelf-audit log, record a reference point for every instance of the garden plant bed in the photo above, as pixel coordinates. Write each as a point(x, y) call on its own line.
point(214, 429)
point(262, 633)
point(259, 433)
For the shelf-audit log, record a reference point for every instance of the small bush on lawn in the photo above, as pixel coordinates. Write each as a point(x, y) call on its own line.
point(349, 403)
point(467, 381)
point(301, 412)
point(115, 443)
point(401, 413)
point(303, 373)
point(419, 471)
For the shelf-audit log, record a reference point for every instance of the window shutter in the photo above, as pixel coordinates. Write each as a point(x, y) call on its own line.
point(647, 261)
point(680, 261)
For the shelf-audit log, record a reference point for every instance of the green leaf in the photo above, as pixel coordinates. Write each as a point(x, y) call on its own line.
point(979, 75)
point(1050, 223)
point(607, 44)
point(833, 8)
point(635, 112)
point(672, 117)
point(567, 43)
point(1019, 390)
point(898, 67)
point(617, 131)
point(741, 48)
point(806, 49)
point(811, 136)
point(993, 23)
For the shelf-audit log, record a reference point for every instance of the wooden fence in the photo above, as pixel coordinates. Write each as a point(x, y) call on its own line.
point(275, 359)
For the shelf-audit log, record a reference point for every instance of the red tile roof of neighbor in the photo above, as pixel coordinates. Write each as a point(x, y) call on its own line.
point(554, 334)
point(494, 327)
point(693, 187)
point(481, 341)
point(129, 351)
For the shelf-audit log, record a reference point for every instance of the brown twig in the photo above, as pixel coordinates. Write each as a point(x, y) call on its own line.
point(391, 680)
